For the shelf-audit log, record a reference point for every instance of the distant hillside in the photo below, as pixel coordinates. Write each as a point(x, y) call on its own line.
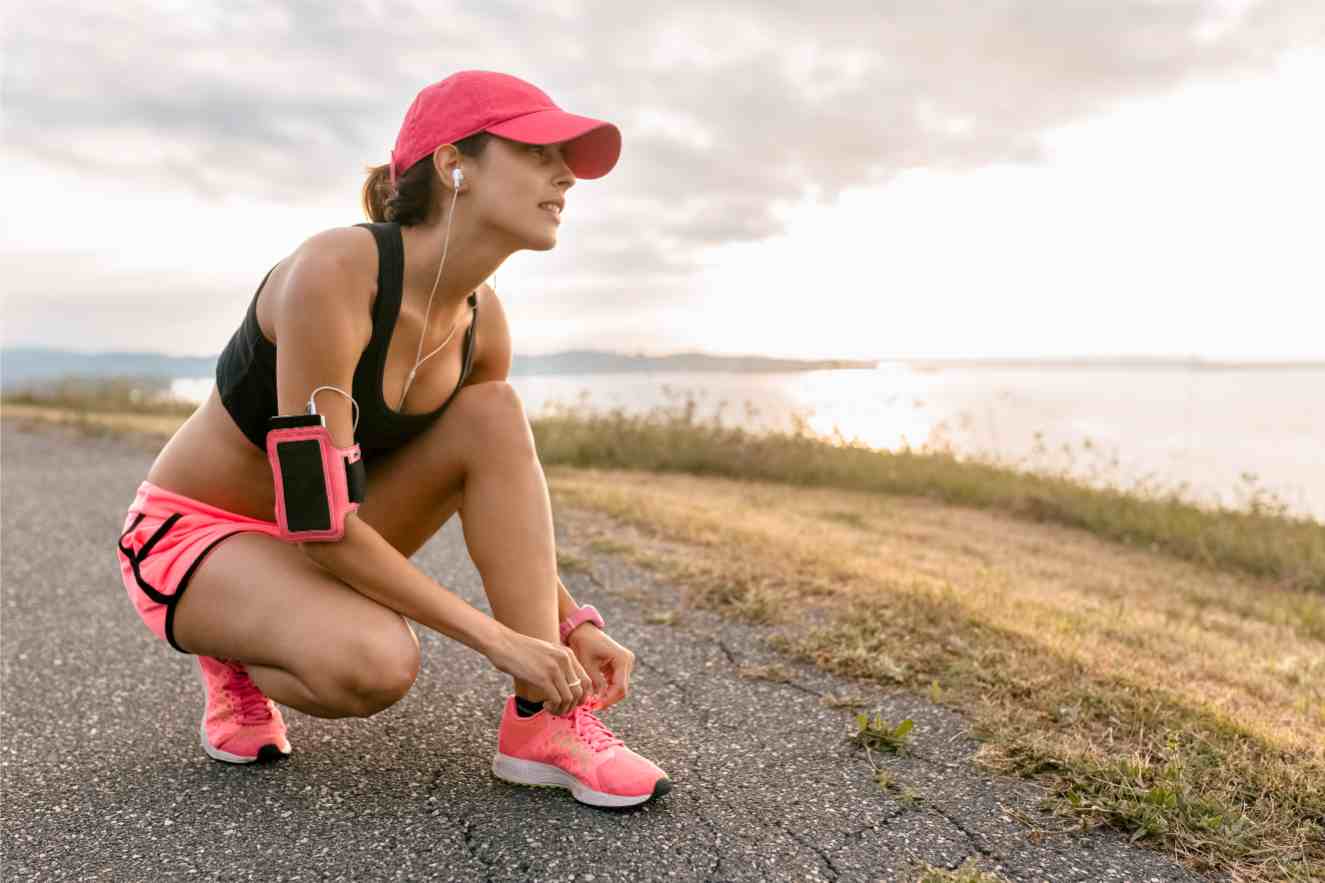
point(24, 366)
point(598, 362)
point(1128, 363)
point(21, 366)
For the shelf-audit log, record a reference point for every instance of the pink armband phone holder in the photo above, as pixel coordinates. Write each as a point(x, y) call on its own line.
point(317, 484)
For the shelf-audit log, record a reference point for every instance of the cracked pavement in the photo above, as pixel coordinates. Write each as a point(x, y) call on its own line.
point(104, 779)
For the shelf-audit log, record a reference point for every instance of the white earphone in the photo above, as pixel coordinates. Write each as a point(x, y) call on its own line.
point(457, 176)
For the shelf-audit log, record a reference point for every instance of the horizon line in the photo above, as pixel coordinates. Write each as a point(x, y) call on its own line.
point(879, 360)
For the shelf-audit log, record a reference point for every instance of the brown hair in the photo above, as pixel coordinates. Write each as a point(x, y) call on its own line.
point(409, 203)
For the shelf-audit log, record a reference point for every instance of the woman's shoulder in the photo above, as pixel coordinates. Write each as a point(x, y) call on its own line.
point(347, 248)
point(337, 264)
point(345, 255)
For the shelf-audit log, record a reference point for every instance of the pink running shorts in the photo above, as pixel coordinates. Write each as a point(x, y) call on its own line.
point(166, 536)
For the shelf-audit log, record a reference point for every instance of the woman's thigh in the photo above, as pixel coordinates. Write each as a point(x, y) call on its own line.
point(261, 600)
point(415, 489)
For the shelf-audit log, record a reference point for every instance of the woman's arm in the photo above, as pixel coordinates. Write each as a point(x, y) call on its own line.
point(565, 603)
point(366, 562)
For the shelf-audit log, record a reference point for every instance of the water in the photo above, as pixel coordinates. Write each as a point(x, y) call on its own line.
point(1227, 434)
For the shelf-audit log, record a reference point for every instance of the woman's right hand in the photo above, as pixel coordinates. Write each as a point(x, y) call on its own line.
point(548, 667)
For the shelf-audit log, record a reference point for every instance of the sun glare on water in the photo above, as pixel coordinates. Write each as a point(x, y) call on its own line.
point(884, 408)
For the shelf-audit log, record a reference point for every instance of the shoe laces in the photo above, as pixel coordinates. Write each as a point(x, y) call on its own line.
point(251, 704)
point(590, 728)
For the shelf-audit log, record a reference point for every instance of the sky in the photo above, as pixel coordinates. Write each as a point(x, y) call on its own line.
point(867, 179)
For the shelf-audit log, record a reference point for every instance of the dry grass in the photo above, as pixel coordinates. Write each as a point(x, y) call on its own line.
point(104, 396)
point(93, 423)
point(1260, 539)
point(1177, 702)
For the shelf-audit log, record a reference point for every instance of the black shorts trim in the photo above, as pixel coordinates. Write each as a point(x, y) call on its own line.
point(184, 584)
point(136, 559)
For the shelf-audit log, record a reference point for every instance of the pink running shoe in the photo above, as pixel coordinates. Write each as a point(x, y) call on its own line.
point(240, 724)
point(577, 752)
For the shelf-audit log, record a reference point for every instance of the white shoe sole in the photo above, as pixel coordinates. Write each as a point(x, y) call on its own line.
point(542, 775)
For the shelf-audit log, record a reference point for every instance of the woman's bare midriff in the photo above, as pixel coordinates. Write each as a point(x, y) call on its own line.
point(211, 460)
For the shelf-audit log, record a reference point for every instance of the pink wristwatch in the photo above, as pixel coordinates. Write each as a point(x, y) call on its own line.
point(583, 614)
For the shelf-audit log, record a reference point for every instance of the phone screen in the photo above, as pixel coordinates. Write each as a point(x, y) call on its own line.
point(304, 486)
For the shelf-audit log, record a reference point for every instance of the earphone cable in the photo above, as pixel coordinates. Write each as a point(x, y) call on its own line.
point(455, 194)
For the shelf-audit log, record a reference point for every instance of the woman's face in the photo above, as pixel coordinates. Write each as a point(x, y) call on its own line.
point(515, 181)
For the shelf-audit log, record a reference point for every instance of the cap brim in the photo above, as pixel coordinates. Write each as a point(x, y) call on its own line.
point(593, 145)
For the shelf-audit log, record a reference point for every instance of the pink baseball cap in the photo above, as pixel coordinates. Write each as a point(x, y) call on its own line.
point(486, 101)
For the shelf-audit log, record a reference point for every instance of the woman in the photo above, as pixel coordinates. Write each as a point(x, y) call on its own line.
point(338, 328)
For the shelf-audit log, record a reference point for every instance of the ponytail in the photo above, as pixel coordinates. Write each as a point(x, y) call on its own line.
point(376, 192)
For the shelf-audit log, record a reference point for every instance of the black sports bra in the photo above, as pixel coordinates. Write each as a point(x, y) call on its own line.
point(246, 368)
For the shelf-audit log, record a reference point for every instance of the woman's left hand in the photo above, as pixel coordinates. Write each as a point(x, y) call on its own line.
point(607, 662)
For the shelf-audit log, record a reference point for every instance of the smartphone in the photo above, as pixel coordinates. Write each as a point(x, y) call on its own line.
point(291, 421)
point(303, 483)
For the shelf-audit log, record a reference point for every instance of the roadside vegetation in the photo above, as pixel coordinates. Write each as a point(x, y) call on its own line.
point(94, 395)
point(135, 406)
point(1261, 539)
point(1158, 666)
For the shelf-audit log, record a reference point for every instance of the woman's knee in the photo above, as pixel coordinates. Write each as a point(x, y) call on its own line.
point(494, 416)
point(372, 669)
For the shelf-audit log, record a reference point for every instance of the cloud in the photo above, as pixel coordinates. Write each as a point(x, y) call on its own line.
point(77, 302)
point(727, 111)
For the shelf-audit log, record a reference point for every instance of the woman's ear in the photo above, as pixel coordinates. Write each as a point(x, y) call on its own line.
point(446, 162)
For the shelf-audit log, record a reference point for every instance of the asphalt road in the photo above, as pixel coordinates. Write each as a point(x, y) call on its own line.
point(103, 777)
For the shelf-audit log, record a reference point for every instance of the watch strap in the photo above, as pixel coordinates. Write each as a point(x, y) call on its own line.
point(582, 614)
